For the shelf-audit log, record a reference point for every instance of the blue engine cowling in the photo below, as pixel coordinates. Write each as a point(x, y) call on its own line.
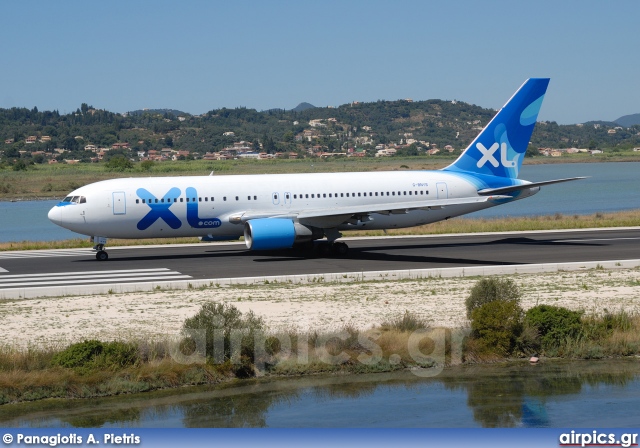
point(277, 233)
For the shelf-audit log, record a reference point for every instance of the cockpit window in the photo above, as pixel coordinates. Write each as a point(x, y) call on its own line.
point(67, 199)
point(83, 199)
point(75, 199)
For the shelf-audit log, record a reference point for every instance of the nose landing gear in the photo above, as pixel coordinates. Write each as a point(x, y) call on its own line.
point(101, 254)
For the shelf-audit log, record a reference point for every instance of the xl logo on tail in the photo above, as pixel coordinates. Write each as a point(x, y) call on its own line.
point(487, 155)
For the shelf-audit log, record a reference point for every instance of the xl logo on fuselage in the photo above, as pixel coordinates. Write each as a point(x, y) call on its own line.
point(160, 210)
point(488, 155)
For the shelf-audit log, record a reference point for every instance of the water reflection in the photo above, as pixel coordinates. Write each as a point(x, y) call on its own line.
point(510, 395)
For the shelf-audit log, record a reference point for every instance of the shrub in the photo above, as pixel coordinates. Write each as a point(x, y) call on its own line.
point(221, 322)
point(92, 354)
point(119, 163)
point(497, 325)
point(408, 322)
point(489, 290)
point(554, 324)
point(146, 165)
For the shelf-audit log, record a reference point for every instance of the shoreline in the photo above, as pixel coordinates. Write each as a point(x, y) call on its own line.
point(43, 177)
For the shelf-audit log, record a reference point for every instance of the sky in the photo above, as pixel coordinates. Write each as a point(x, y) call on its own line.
point(196, 56)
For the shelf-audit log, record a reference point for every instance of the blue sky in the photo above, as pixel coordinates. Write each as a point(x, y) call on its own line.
point(201, 55)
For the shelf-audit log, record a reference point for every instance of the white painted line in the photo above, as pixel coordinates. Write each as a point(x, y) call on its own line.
point(45, 253)
point(71, 278)
point(88, 273)
point(3, 270)
point(99, 280)
point(594, 239)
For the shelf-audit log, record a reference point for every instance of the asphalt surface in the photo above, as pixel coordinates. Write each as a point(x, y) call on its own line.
point(211, 261)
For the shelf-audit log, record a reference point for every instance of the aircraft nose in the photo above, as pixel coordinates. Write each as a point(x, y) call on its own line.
point(55, 215)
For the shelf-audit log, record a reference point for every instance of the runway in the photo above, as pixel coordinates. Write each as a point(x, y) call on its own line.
point(44, 270)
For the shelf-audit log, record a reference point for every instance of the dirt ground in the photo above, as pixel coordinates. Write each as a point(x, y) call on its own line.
point(58, 321)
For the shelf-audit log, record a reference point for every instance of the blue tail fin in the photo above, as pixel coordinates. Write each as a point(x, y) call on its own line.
point(500, 147)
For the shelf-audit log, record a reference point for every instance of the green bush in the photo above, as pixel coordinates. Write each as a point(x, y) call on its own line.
point(497, 325)
point(92, 354)
point(489, 290)
point(554, 324)
point(118, 163)
point(223, 323)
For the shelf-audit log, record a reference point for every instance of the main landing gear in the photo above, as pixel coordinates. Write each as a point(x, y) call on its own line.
point(101, 254)
point(323, 249)
point(337, 249)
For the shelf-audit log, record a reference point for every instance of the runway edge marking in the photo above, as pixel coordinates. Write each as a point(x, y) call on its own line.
point(337, 277)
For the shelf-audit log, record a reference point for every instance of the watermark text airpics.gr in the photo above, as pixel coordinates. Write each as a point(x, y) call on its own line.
point(428, 349)
point(595, 438)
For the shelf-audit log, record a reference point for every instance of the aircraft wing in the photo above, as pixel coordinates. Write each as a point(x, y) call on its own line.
point(512, 188)
point(329, 217)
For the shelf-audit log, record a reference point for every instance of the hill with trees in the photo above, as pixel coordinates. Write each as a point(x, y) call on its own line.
point(409, 127)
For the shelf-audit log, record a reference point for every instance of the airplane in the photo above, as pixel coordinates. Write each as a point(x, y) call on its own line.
point(281, 211)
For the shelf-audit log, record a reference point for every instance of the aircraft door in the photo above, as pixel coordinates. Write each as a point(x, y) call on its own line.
point(275, 197)
point(442, 190)
point(119, 203)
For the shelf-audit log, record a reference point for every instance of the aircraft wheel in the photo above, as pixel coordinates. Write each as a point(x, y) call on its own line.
point(340, 249)
point(323, 249)
point(102, 255)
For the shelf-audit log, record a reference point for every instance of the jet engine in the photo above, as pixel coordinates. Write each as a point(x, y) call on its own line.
point(277, 233)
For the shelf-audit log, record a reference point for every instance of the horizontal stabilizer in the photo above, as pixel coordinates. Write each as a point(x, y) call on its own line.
point(512, 188)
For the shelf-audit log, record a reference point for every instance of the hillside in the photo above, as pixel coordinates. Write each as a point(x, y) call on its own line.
point(628, 120)
point(410, 127)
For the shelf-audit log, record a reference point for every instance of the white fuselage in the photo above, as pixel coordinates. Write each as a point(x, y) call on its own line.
point(214, 205)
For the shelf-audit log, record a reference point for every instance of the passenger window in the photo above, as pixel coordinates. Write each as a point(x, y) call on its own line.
point(307, 196)
point(137, 201)
point(182, 199)
point(376, 193)
point(347, 194)
point(206, 199)
point(248, 198)
point(156, 201)
point(237, 198)
point(224, 198)
point(359, 195)
point(255, 198)
point(324, 195)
